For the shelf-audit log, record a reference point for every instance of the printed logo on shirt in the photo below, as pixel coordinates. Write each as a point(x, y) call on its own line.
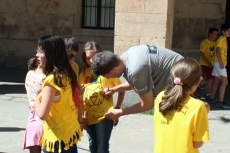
point(88, 79)
point(152, 49)
point(212, 56)
point(182, 109)
point(212, 48)
point(73, 108)
point(139, 89)
point(94, 95)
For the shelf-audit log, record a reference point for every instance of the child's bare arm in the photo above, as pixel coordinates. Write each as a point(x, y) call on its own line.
point(197, 144)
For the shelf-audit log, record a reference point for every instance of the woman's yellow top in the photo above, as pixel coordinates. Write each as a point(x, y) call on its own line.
point(62, 122)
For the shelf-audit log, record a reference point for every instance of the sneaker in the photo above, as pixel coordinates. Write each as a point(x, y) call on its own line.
point(207, 98)
point(222, 105)
point(212, 101)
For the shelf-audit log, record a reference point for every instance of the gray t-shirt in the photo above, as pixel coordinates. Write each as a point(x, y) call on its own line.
point(148, 69)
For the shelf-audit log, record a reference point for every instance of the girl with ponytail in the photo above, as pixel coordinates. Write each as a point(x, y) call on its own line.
point(180, 121)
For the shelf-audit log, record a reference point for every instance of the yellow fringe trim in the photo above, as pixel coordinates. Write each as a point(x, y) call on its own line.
point(48, 145)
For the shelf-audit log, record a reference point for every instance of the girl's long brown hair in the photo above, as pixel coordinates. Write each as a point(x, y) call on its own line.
point(91, 45)
point(189, 72)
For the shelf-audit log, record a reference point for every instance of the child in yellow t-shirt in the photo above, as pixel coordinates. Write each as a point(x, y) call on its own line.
point(219, 71)
point(175, 110)
point(207, 57)
point(55, 104)
point(96, 105)
point(72, 49)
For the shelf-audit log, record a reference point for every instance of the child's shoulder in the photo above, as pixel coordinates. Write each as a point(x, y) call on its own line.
point(193, 102)
point(161, 94)
point(74, 64)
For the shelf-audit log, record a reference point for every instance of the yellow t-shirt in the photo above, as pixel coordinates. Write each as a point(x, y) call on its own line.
point(96, 105)
point(176, 131)
point(223, 45)
point(62, 123)
point(85, 78)
point(75, 68)
point(208, 48)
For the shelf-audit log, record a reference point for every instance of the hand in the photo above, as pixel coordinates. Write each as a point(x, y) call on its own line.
point(115, 122)
point(221, 65)
point(82, 88)
point(84, 124)
point(85, 127)
point(207, 107)
point(108, 92)
point(114, 114)
point(210, 65)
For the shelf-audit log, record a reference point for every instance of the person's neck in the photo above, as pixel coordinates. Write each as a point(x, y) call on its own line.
point(39, 70)
point(122, 64)
point(210, 39)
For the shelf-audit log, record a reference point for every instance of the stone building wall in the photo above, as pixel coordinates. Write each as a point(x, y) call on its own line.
point(192, 19)
point(22, 22)
point(143, 22)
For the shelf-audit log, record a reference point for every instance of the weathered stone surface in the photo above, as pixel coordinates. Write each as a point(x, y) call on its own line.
point(15, 6)
point(151, 26)
point(199, 10)
point(124, 42)
point(53, 6)
point(156, 6)
point(55, 20)
point(170, 23)
point(93, 32)
point(16, 52)
point(124, 6)
point(189, 32)
point(193, 19)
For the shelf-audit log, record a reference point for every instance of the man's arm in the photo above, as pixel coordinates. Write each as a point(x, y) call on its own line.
point(120, 99)
point(119, 88)
point(145, 104)
point(205, 59)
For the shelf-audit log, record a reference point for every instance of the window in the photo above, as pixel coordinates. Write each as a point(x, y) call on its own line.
point(98, 14)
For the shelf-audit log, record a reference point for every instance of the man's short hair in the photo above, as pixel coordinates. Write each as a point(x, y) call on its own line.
point(211, 30)
point(103, 62)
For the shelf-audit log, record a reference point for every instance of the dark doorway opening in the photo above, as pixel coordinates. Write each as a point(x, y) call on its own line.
point(227, 21)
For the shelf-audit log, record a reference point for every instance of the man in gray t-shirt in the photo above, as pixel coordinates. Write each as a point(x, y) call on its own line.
point(146, 69)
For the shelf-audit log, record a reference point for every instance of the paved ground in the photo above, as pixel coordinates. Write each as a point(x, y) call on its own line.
point(134, 133)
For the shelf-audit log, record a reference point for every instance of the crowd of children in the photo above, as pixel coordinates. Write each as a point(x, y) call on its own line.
point(64, 100)
point(57, 116)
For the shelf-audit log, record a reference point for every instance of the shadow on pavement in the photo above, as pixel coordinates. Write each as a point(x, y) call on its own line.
point(9, 74)
point(12, 80)
point(12, 89)
point(224, 119)
point(11, 129)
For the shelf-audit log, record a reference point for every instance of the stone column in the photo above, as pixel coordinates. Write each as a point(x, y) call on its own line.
point(143, 22)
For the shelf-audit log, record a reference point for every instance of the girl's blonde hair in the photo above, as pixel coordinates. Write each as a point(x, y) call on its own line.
point(188, 72)
point(93, 46)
